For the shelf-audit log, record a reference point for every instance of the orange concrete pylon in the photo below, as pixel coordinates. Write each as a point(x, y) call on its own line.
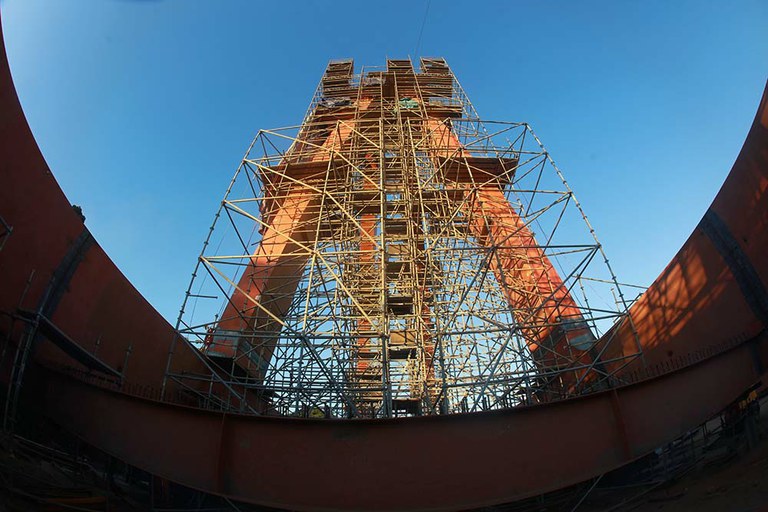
point(252, 320)
point(249, 328)
point(367, 373)
point(554, 328)
point(552, 324)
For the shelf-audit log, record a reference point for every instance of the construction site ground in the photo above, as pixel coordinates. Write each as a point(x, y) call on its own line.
point(737, 485)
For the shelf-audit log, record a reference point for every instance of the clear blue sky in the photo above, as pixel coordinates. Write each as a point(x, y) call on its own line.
point(143, 108)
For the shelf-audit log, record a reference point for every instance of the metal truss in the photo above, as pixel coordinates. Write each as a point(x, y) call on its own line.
point(394, 255)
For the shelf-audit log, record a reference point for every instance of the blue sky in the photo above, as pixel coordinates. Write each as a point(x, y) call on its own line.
point(143, 108)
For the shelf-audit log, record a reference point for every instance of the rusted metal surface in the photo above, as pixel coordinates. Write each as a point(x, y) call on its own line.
point(51, 265)
point(709, 296)
point(450, 462)
point(714, 288)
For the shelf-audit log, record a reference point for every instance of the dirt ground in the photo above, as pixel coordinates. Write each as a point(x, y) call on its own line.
point(737, 485)
point(741, 486)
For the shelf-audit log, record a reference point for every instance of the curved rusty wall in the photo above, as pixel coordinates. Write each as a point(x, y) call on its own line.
point(453, 462)
point(713, 290)
point(73, 280)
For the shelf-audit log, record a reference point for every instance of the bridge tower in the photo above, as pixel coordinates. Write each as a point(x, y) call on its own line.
point(395, 255)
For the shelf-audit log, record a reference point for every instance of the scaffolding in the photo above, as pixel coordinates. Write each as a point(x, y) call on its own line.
point(395, 255)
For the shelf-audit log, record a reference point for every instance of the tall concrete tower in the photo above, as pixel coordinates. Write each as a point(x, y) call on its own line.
point(395, 255)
